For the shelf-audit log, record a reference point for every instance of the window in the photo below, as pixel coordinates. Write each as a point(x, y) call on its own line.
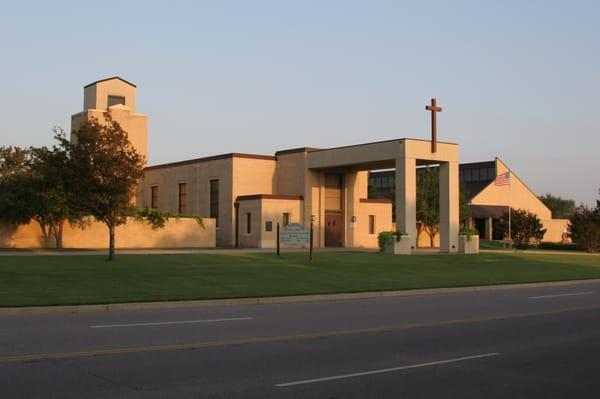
point(371, 224)
point(214, 201)
point(248, 223)
point(286, 219)
point(475, 174)
point(182, 198)
point(154, 197)
point(269, 226)
point(483, 174)
point(467, 174)
point(115, 100)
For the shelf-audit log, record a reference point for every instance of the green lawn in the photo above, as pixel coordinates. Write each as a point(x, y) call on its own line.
point(53, 280)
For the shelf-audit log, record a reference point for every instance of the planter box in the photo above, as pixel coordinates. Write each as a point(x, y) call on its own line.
point(468, 247)
point(404, 246)
point(388, 249)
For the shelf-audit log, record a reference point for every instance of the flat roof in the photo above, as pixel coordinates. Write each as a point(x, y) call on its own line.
point(211, 158)
point(268, 196)
point(295, 150)
point(265, 157)
point(379, 142)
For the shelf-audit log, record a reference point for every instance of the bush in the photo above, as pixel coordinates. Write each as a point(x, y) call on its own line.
point(525, 227)
point(557, 246)
point(521, 245)
point(469, 233)
point(155, 217)
point(385, 238)
point(584, 227)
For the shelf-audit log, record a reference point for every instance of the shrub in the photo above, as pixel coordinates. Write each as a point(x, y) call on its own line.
point(469, 233)
point(557, 246)
point(584, 228)
point(525, 227)
point(385, 238)
point(155, 217)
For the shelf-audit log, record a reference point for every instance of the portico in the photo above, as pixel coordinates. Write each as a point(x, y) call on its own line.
point(403, 155)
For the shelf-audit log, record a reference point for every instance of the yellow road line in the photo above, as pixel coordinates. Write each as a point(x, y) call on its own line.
point(274, 339)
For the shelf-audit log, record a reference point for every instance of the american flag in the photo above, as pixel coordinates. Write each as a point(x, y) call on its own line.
point(503, 179)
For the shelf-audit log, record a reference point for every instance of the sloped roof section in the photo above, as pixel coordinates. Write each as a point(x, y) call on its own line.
point(107, 79)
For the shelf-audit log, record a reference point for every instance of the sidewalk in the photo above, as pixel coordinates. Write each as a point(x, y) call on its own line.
point(167, 251)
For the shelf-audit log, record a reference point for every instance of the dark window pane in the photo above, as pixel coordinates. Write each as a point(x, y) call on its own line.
point(286, 219)
point(115, 100)
point(182, 198)
point(154, 197)
point(214, 201)
point(467, 174)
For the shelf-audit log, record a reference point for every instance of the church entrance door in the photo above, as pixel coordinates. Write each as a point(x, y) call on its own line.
point(333, 230)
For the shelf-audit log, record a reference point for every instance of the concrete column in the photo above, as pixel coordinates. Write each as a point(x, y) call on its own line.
point(350, 207)
point(406, 198)
point(488, 229)
point(449, 205)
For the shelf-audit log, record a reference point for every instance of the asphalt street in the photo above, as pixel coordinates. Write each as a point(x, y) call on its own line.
point(533, 343)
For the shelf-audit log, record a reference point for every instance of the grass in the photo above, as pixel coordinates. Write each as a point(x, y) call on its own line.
point(90, 279)
point(489, 244)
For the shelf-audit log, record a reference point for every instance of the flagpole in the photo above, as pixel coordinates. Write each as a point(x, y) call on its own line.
point(509, 213)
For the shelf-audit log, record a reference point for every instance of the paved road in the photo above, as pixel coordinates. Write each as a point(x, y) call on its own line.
point(534, 343)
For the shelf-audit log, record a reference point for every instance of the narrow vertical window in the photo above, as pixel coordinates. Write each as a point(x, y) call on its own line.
point(286, 219)
point(248, 223)
point(154, 197)
point(182, 198)
point(214, 201)
point(371, 224)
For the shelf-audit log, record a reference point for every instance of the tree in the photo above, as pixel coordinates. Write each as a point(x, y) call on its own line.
point(428, 202)
point(105, 170)
point(13, 160)
point(32, 187)
point(16, 186)
point(464, 212)
point(19, 196)
point(584, 227)
point(524, 226)
point(51, 173)
point(561, 208)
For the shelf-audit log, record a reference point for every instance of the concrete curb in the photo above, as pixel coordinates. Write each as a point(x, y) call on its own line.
point(115, 307)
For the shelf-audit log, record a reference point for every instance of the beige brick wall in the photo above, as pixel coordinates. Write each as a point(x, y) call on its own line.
point(183, 232)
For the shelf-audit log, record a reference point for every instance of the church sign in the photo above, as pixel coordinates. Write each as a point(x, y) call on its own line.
point(293, 235)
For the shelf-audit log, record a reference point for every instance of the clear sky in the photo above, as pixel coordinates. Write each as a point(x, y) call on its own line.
point(518, 80)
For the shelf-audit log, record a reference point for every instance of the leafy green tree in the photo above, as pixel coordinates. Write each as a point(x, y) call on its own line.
point(105, 171)
point(561, 208)
point(51, 173)
point(13, 160)
point(32, 187)
point(525, 227)
point(428, 202)
point(584, 227)
point(19, 196)
point(464, 212)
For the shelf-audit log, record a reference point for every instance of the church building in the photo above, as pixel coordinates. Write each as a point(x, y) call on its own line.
point(248, 195)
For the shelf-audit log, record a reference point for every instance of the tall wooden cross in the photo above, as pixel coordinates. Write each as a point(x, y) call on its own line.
point(433, 108)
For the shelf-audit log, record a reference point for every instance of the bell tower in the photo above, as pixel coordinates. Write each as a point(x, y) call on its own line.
point(117, 97)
